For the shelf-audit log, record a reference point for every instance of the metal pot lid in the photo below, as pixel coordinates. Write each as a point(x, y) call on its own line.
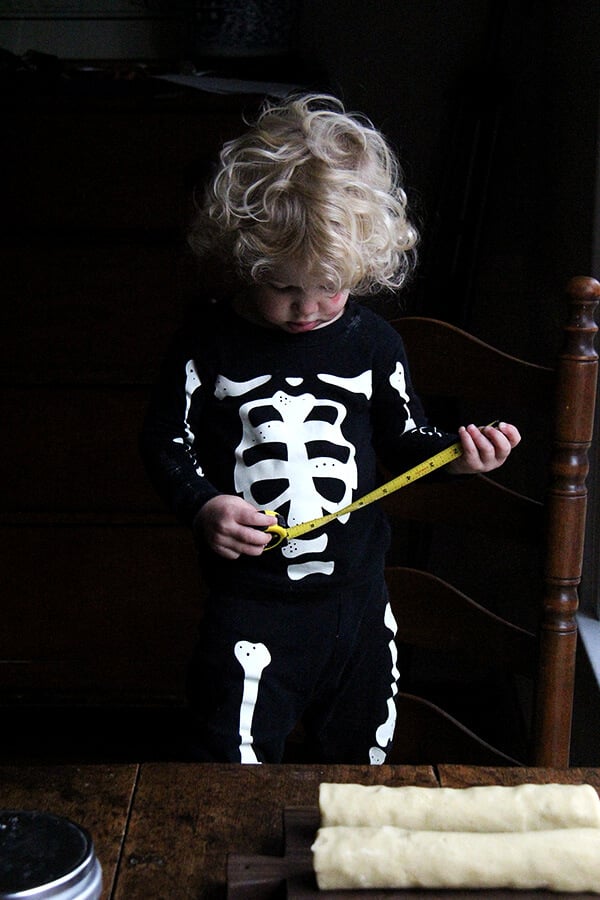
point(46, 857)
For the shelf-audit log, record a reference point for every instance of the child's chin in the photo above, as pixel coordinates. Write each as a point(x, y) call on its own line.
point(301, 327)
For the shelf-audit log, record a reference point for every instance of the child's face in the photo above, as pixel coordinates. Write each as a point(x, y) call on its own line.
point(295, 301)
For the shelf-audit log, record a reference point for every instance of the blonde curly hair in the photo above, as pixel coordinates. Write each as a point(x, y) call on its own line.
point(309, 182)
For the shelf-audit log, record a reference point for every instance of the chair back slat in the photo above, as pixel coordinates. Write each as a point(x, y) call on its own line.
point(517, 616)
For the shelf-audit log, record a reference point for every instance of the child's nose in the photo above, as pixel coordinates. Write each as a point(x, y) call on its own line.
point(308, 302)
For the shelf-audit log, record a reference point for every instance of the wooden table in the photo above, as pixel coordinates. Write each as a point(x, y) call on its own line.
point(163, 831)
point(97, 797)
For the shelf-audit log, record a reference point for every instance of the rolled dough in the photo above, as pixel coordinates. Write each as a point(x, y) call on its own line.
point(494, 808)
point(388, 857)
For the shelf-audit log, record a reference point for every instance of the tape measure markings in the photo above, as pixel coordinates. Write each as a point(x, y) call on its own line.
point(281, 533)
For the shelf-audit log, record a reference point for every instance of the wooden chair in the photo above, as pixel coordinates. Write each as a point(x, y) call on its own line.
point(505, 636)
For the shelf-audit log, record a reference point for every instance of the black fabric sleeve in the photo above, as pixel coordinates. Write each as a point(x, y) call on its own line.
point(403, 436)
point(167, 445)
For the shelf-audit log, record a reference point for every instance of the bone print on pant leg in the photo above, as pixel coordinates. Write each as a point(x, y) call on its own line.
point(253, 658)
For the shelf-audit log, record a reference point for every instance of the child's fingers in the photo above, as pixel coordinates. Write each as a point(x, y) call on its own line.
point(478, 445)
point(239, 540)
point(503, 437)
point(486, 448)
point(260, 519)
point(510, 432)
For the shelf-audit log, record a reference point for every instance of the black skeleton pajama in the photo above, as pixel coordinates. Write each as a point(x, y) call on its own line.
point(298, 424)
point(264, 663)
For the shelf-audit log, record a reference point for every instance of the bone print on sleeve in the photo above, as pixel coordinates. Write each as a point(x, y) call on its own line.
point(402, 433)
point(168, 440)
point(291, 423)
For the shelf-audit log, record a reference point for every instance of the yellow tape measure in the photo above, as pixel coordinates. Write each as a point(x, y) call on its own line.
point(282, 533)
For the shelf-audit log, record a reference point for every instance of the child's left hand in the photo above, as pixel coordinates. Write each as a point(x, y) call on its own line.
point(484, 449)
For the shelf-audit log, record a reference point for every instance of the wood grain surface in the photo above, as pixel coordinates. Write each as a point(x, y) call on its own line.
point(187, 818)
point(96, 797)
point(169, 831)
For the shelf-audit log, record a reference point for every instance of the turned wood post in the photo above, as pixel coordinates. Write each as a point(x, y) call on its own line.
point(566, 499)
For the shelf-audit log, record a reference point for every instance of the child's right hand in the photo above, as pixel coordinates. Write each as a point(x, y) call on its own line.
point(232, 527)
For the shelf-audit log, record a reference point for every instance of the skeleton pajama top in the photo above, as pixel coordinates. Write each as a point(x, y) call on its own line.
point(293, 423)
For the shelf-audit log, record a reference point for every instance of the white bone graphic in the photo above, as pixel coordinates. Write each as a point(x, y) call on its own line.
point(225, 387)
point(376, 756)
point(360, 384)
point(192, 383)
point(429, 430)
point(253, 658)
point(298, 546)
point(301, 570)
point(398, 382)
point(298, 470)
point(385, 732)
point(295, 423)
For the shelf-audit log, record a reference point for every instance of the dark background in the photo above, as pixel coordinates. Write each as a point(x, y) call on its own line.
point(493, 109)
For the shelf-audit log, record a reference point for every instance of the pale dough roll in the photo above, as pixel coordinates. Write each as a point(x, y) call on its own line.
point(388, 857)
point(526, 807)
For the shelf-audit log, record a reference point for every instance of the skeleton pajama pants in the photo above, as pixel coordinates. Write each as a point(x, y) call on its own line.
point(262, 664)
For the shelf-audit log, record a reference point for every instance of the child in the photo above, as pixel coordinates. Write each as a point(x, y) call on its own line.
point(282, 396)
